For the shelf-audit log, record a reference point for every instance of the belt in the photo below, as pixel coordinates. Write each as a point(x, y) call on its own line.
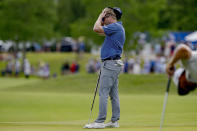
point(111, 58)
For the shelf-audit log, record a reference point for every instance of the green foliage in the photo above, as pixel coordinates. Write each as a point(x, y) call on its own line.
point(180, 15)
point(27, 20)
point(34, 20)
point(68, 11)
point(137, 16)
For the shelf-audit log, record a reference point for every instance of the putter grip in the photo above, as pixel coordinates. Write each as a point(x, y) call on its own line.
point(168, 85)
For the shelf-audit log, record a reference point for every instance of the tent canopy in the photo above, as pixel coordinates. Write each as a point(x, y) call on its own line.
point(192, 37)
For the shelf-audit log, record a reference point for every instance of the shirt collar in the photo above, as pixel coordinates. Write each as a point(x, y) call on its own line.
point(119, 22)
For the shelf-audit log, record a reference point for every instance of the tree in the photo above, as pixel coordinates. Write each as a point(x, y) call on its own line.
point(84, 26)
point(180, 15)
point(35, 20)
point(27, 20)
point(68, 11)
point(138, 15)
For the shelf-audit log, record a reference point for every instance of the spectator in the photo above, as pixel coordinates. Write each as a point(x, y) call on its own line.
point(9, 67)
point(160, 64)
point(152, 66)
point(91, 67)
point(98, 65)
point(157, 49)
point(75, 46)
point(3, 72)
point(130, 65)
point(146, 69)
point(126, 66)
point(172, 48)
point(81, 47)
point(136, 68)
point(27, 68)
point(74, 68)
point(65, 68)
point(17, 67)
point(77, 67)
point(46, 71)
point(41, 69)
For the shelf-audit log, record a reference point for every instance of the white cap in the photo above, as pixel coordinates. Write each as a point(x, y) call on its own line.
point(176, 76)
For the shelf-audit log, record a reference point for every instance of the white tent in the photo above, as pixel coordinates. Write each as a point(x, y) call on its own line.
point(192, 37)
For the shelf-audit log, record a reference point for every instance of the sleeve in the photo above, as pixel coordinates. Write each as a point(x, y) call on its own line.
point(110, 29)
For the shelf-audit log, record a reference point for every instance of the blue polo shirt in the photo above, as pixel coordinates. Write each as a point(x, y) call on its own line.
point(114, 40)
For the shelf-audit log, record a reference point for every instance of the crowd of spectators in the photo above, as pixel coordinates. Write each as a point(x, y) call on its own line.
point(15, 67)
point(66, 44)
point(146, 66)
point(12, 68)
point(151, 58)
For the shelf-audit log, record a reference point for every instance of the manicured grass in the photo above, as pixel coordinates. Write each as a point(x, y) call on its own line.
point(27, 111)
point(85, 83)
point(64, 104)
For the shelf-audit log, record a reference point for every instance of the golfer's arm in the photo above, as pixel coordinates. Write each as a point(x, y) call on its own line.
point(98, 28)
point(102, 34)
point(181, 53)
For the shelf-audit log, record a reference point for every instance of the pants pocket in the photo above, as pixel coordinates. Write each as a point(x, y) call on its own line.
point(106, 81)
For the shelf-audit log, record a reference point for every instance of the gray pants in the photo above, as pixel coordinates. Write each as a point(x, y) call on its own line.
point(110, 71)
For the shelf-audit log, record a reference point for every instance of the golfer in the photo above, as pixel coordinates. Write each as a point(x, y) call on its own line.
point(184, 78)
point(107, 24)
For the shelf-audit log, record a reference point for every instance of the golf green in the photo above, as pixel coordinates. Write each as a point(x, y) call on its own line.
point(63, 104)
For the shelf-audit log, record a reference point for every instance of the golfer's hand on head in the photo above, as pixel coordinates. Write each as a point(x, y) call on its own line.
point(102, 14)
point(170, 69)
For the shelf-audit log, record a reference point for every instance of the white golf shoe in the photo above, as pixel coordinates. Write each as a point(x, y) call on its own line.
point(112, 124)
point(94, 125)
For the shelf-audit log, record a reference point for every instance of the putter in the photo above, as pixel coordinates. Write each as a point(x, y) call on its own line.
point(165, 102)
point(95, 92)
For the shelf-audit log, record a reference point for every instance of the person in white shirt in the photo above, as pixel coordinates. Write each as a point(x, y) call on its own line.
point(27, 68)
point(184, 78)
point(17, 67)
